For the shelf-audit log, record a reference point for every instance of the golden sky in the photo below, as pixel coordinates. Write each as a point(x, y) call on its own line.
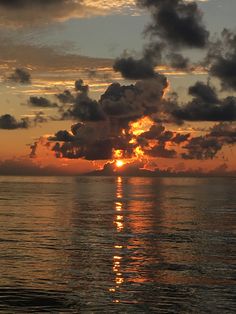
point(44, 42)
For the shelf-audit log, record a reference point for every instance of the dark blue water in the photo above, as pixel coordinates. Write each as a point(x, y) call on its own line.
point(117, 245)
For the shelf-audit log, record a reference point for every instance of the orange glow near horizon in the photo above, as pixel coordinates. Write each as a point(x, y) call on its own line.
point(119, 163)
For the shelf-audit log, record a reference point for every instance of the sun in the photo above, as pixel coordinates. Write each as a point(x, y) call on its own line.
point(119, 163)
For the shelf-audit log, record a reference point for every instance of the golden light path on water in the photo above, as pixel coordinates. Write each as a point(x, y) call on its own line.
point(119, 226)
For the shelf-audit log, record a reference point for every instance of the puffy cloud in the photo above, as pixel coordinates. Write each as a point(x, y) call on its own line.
point(133, 69)
point(176, 22)
point(225, 132)
point(20, 76)
point(177, 61)
point(222, 58)
point(207, 146)
point(123, 104)
point(224, 110)
point(161, 151)
point(104, 119)
point(206, 106)
point(62, 136)
point(8, 122)
point(80, 87)
point(66, 97)
point(134, 101)
point(154, 132)
point(105, 125)
point(100, 150)
point(202, 147)
point(154, 141)
point(204, 92)
point(180, 138)
point(85, 109)
point(41, 102)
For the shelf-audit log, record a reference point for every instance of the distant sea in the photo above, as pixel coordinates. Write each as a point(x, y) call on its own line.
point(117, 245)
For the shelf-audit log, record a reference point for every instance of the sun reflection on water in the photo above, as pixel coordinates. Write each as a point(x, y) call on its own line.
point(118, 247)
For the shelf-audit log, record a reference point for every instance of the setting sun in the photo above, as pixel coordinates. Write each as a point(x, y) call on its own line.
point(119, 163)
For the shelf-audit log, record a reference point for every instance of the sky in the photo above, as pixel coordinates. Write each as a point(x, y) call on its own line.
point(85, 83)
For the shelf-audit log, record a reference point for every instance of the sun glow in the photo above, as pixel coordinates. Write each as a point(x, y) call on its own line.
point(140, 126)
point(119, 163)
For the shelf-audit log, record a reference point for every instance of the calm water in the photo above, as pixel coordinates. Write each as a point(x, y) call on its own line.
point(117, 245)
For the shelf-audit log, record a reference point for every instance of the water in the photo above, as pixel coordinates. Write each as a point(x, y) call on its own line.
point(117, 245)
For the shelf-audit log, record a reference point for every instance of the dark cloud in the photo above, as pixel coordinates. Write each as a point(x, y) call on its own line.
point(20, 76)
point(8, 122)
point(161, 151)
point(142, 68)
point(62, 136)
point(180, 138)
point(159, 133)
point(224, 110)
point(204, 92)
point(158, 137)
point(85, 109)
point(177, 22)
point(177, 61)
point(134, 101)
point(30, 167)
point(202, 147)
point(137, 169)
point(27, 13)
point(222, 58)
point(153, 133)
point(42, 102)
point(225, 132)
point(207, 146)
point(121, 104)
point(21, 4)
point(81, 87)
point(105, 125)
point(19, 13)
point(66, 97)
point(206, 106)
point(133, 69)
point(99, 150)
point(165, 137)
point(89, 141)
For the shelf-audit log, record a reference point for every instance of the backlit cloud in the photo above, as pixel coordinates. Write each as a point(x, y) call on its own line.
point(27, 12)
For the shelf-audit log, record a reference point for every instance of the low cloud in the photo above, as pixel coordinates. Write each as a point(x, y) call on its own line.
point(20, 76)
point(15, 53)
point(206, 106)
point(106, 125)
point(41, 102)
point(8, 122)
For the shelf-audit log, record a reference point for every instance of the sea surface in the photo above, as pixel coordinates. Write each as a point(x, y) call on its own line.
point(117, 245)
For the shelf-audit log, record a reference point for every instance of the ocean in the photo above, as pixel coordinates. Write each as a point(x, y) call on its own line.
point(117, 245)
